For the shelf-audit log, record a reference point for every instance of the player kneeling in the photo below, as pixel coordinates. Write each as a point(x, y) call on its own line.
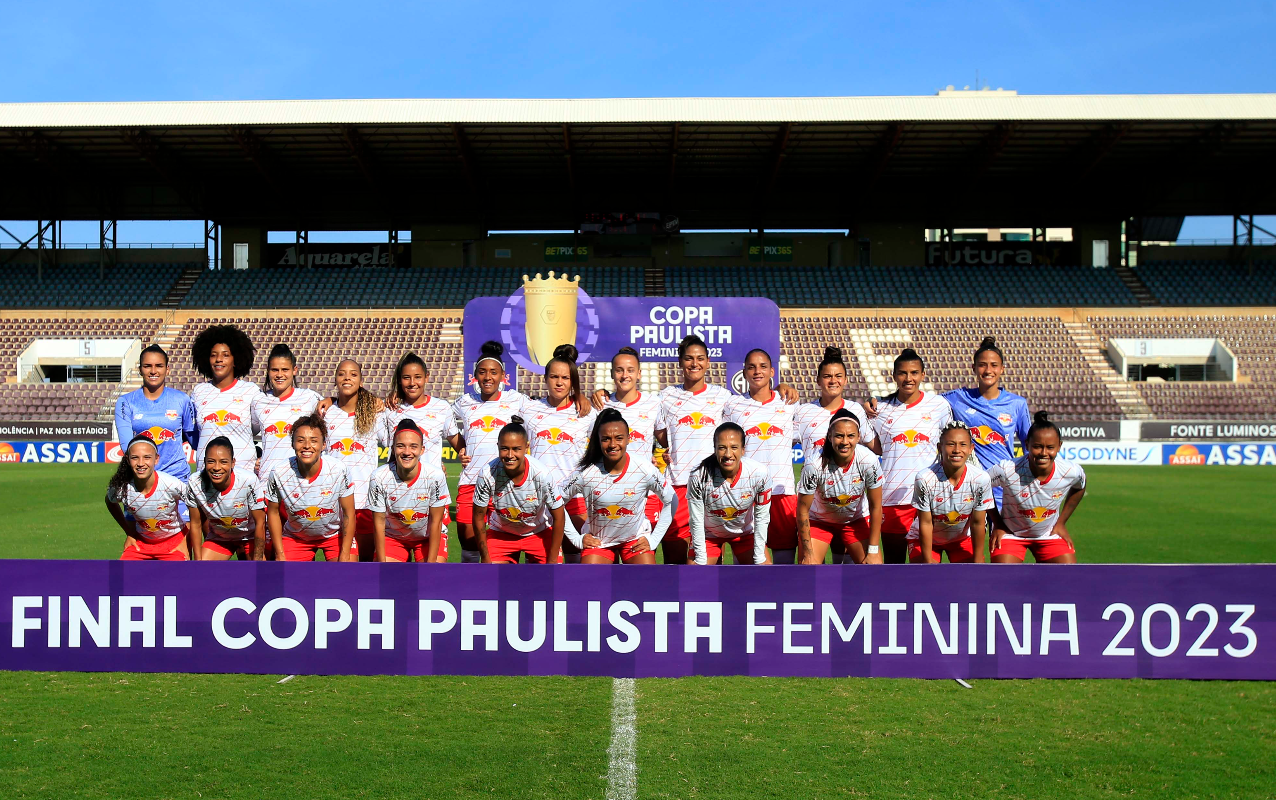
point(517, 508)
point(952, 498)
point(155, 531)
point(408, 500)
point(831, 491)
point(1041, 491)
point(310, 499)
point(615, 487)
point(729, 502)
point(230, 501)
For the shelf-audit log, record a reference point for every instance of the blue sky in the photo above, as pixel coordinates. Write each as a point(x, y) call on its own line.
point(79, 51)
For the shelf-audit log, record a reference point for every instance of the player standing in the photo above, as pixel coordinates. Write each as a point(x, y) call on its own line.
point(275, 409)
point(480, 416)
point(1041, 492)
point(640, 410)
point(231, 502)
point(952, 498)
point(907, 425)
point(831, 496)
point(408, 498)
point(356, 428)
point(159, 412)
point(729, 500)
point(223, 404)
point(615, 487)
point(315, 496)
point(143, 502)
point(517, 507)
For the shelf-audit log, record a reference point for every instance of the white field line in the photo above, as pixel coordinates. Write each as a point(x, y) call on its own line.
point(622, 764)
point(286, 679)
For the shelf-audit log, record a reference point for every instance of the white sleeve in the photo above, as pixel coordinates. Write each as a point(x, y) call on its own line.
point(660, 484)
point(761, 519)
point(695, 516)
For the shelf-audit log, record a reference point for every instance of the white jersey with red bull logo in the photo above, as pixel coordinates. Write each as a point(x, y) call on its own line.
point(230, 511)
point(312, 504)
point(434, 417)
point(226, 412)
point(768, 435)
point(910, 440)
point(950, 507)
point(617, 504)
point(480, 422)
point(840, 492)
point(557, 436)
point(407, 504)
point(1031, 507)
point(273, 417)
point(811, 425)
point(726, 509)
point(689, 420)
point(359, 453)
point(641, 415)
point(518, 508)
point(155, 514)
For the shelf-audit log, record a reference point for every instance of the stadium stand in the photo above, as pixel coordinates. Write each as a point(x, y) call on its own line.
point(54, 401)
point(83, 286)
point(17, 334)
point(1210, 283)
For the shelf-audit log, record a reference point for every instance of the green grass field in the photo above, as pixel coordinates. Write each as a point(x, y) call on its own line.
point(246, 736)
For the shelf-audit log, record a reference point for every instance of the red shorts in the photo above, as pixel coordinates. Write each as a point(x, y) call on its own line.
point(857, 531)
point(401, 549)
point(741, 547)
point(575, 507)
point(781, 532)
point(465, 505)
point(896, 520)
point(503, 548)
point(961, 551)
point(162, 550)
point(364, 534)
point(226, 547)
point(1042, 550)
point(653, 509)
point(681, 526)
point(300, 550)
point(626, 551)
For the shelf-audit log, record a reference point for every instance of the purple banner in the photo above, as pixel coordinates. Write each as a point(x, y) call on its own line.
point(548, 312)
point(958, 621)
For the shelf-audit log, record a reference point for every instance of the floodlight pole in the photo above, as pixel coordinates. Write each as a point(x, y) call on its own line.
point(212, 240)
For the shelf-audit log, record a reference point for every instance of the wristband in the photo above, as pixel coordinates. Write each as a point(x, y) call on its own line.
point(874, 549)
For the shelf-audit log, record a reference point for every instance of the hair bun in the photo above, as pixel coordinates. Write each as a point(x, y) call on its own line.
point(492, 348)
point(1041, 418)
point(516, 419)
point(567, 352)
point(988, 342)
point(908, 354)
point(832, 354)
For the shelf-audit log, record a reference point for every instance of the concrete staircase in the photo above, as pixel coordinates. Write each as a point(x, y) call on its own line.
point(1126, 396)
point(451, 332)
point(1136, 286)
point(653, 282)
point(178, 291)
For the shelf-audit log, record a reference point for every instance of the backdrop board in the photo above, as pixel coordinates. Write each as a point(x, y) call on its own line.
point(963, 621)
point(547, 312)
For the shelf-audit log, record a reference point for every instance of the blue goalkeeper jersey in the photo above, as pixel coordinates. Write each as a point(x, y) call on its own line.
point(168, 421)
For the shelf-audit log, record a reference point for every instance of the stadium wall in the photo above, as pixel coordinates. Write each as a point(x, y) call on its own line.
point(1220, 252)
point(130, 255)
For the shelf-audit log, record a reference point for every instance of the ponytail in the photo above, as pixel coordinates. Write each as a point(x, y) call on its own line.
point(514, 426)
point(594, 450)
point(989, 345)
point(279, 351)
point(205, 482)
point(124, 472)
point(709, 464)
point(567, 354)
point(1041, 422)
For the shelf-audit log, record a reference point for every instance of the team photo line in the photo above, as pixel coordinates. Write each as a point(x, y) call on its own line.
point(568, 478)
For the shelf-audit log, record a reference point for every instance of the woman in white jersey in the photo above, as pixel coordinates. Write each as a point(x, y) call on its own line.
point(356, 428)
point(227, 508)
point(1040, 492)
point(730, 500)
point(432, 415)
point(953, 497)
point(480, 415)
point(558, 428)
point(768, 424)
point(275, 409)
point(144, 503)
point(840, 496)
point(408, 498)
point(640, 410)
point(517, 507)
point(811, 422)
point(223, 354)
point(615, 487)
point(907, 427)
point(310, 499)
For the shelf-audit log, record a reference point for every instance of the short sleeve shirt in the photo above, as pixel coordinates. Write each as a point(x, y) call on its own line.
point(434, 417)
point(641, 415)
point(910, 439)
point(768, 435)
point(728, 505)
point(273, 417)
point(950, 506)
point(407, 504)
point(811, 423)
point(358, 452)
point(690, 418)
point(155, 513)
point(558, 437)
point(617, 504)
point(230, 511)
point(521, 508)
point(480, 422)
point(838, 492)
point(226, 412)
point(1029, 506)
point(312, 504)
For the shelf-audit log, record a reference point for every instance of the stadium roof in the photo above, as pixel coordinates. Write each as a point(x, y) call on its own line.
point(982, 158)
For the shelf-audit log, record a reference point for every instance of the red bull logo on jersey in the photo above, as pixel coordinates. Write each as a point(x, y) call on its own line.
point(725, 513)
point(818, 443)
point(614, 512)
point(158, 435)
point(636, 436)
point(487, 424)
point(764, 431)
point(985, 435)
point(148, 525)
point(695, 420)
point(347, 447)
point(517, 515)
point(326, 493)
point(555, 436)
point(952, 519)
point(171, 414)
point(232, 522)
point(410, 516)
point(1038, 514)
point(1005, 419)
point(910, 438)
point(842, 500)
point(222, 418)
point(314, 513)
point(279, 430)
point(240, 506)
